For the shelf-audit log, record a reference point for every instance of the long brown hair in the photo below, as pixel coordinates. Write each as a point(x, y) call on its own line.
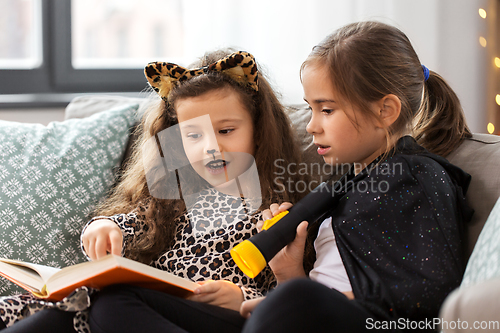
point(275, 150)
point(369, 60)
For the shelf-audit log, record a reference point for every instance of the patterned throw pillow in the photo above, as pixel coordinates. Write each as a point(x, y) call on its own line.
point(484, 262)
point(50, 179)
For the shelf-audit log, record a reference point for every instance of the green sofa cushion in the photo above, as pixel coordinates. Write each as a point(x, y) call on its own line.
point(51, 177)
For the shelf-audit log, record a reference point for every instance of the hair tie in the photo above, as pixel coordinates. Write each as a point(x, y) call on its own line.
point(240, 66)
point(426, 73)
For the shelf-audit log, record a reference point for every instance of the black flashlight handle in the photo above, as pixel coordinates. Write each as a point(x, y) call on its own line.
point(310, 208)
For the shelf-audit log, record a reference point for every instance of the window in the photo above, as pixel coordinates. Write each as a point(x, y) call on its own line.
point(23, 50)
point(103, 45)
point(125, 34)
point(38, 56)
point(20, 34)
point(87, 46)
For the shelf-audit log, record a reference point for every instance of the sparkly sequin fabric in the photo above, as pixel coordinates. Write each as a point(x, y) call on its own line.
point(399, 226)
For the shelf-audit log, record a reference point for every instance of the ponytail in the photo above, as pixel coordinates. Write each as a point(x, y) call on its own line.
point(440, 124)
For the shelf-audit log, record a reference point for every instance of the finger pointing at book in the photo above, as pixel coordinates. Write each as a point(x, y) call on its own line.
point(101, 238)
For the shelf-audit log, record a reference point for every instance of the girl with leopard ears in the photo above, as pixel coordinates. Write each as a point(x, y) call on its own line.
point(227, 85)
point(139, 225)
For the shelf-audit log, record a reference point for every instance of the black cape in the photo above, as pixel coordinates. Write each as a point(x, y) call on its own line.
point(399, 226)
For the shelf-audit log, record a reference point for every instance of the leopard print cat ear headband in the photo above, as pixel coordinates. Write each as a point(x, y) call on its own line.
point(240, 66)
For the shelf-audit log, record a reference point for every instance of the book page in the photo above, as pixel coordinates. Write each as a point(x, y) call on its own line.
point(45, 272)
point(27, 275)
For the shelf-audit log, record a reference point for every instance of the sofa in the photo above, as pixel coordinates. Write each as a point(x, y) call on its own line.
point(51, 177)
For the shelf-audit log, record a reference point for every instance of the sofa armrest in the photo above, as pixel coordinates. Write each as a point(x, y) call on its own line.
point(480, 157)
point(472, 306)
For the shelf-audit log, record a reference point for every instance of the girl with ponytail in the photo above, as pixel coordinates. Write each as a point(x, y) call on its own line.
point(390, 249)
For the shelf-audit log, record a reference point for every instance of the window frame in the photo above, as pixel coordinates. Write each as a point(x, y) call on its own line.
point(56, 75)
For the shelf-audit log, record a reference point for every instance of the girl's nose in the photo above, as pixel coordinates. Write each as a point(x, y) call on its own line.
point(210, 143)
point(313, 126)
point(212, 148)
point(212, 152)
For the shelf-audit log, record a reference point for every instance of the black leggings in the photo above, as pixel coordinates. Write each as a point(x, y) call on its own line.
point(123, 308)
point(45, 321)
point(297, 306)
point(303, 305)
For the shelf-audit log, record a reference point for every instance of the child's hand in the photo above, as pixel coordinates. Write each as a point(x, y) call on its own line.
point(273, 210)
point(221, 293)
point(287, 263)
point(247, 307)
point(101, 238)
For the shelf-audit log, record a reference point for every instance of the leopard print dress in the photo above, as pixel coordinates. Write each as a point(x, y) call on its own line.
point(204, 236)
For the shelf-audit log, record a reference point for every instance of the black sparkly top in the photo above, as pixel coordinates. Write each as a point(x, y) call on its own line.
point(400, 230)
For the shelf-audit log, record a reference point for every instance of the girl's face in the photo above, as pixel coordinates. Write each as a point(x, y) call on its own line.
point(217, 134)
point(337, 138)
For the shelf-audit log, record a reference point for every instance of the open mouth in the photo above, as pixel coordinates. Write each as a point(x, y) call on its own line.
point(322, 149)
point(216, 167)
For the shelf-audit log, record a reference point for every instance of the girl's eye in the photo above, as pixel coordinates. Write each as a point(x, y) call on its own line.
point(327, 111)
point(193, 136)
point(226, 131)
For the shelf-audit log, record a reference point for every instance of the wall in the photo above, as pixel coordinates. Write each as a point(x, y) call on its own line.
point(461, 60)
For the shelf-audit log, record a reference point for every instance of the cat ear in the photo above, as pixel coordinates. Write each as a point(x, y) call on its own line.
point(162, 76)
point(240, 66)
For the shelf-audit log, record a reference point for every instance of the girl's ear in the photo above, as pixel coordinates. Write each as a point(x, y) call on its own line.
point(390, 108)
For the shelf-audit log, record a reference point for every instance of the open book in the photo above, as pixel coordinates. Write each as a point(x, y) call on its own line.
point(55, 284)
